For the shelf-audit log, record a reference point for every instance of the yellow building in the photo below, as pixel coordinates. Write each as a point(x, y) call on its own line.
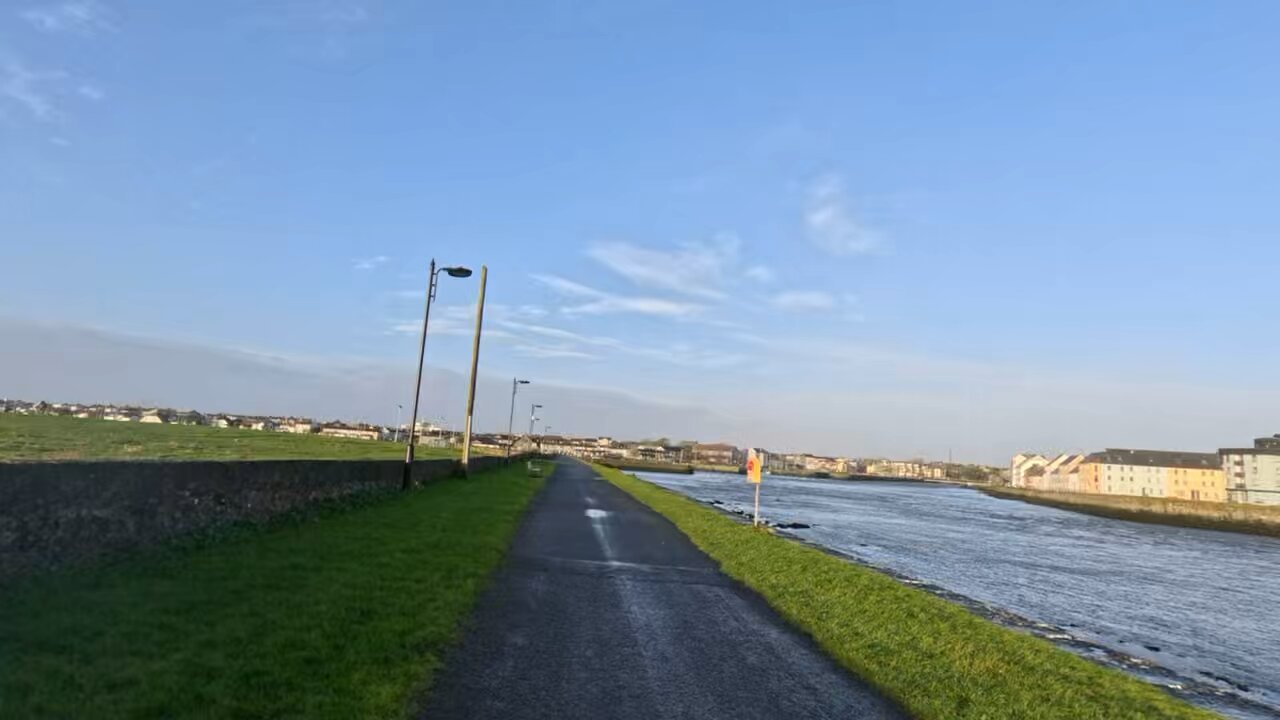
point(1090, 476)
point(1207, 484)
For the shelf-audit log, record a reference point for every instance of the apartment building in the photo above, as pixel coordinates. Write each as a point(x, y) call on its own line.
point(1150, 473)
point(1253, 474)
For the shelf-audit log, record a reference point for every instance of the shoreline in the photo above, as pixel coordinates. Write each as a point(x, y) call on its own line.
point(1239, 518)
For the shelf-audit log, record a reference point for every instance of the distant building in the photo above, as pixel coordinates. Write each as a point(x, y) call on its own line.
point(350, 431)
point(157, 416)
point(716, 454)
point(1062, 474)
point(1022, 464)
point(1148, 473)
point(1253, 474)
point(301, 426)
point(188, 417)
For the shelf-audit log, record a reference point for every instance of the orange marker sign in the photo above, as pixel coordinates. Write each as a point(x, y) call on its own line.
point(754, 466)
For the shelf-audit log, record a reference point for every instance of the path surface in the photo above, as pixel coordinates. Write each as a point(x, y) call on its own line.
point(605, 610)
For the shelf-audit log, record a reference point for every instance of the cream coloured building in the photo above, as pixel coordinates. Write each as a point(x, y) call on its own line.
point(1147, 473)
point(1252, 475)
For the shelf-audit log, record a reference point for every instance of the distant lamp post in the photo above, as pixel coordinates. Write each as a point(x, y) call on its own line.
point(475, 366)
point(432, 279)
point(399, 410)
point(511, 439)
point(533, 409)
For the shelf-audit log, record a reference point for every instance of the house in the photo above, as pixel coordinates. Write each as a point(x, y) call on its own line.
point(264, 424)
point(1253, 474)
point(1021, 464)
point(188, 417)
point(356, 432)
point(301, 426)
point(121, 414)
point(1062, 474)
point(157, 416)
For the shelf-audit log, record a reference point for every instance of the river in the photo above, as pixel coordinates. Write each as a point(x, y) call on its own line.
point(1197, 610)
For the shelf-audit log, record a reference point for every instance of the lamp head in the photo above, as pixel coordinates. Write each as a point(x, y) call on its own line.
point(457, 271)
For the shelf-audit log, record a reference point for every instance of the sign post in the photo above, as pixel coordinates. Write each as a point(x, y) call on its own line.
point(754, 476)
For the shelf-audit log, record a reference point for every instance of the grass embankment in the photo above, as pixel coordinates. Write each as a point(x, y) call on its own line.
point(648, 466)
point(934, 658)
point(1231, 517)
point(341, 617)
point(53, 437)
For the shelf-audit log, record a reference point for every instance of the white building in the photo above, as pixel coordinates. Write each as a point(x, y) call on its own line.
point(1253, 474)
point(1021, 464)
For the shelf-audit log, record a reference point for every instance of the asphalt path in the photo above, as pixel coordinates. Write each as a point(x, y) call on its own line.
point(603, 609)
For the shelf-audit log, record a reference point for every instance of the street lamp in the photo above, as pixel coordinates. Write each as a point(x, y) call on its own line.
point(399, 410)
point(532, 410)
point(475, 366)
point(432, 278)
point(511, 419)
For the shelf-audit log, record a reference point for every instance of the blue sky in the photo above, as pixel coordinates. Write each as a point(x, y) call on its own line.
point(864, 228)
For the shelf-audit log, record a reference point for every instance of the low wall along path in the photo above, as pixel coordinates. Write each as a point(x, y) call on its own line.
point(53, 513)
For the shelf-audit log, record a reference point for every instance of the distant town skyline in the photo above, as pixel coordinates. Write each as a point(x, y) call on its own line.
point(892, 230)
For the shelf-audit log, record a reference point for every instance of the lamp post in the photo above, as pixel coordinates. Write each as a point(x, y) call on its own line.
point(475, 364)
point(399, 409)
point(532, 417)
point(511, 440)
point(432, 278)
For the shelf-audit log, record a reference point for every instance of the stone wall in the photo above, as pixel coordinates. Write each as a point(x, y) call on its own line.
point(1241, 517)
point(52, 513)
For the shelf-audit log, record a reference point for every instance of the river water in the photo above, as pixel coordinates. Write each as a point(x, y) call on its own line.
point(1196, 610)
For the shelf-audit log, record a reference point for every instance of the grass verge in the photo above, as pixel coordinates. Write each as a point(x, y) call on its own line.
point(52, 437)
point(345, 616)
point(934, 658)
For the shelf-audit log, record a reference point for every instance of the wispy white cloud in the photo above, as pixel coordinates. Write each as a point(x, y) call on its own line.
point(804, 300)
point(562, 352)
point(28, 89)
point(92, 92)
point(832, 225)
point(759, 273)
point(680, 354)
point(370, 263)
point(79, 17)
point(590, 301)
point(696, 269)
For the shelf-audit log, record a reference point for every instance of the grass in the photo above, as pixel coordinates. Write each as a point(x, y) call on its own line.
point(345, 616)
point(934, 658)
point(53, 437)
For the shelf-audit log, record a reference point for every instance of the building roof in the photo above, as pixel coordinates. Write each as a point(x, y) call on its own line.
point(1156, 458)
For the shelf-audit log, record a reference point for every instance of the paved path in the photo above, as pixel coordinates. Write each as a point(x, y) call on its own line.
point(605, 610)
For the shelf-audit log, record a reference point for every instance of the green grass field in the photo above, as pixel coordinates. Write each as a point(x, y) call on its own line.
point(344, 616)
point(936, 659)
point(52, 437)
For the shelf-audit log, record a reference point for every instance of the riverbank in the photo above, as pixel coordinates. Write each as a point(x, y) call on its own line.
point(936, 659)
point(647, 466)
point(1232, 517)
point(341, 616)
